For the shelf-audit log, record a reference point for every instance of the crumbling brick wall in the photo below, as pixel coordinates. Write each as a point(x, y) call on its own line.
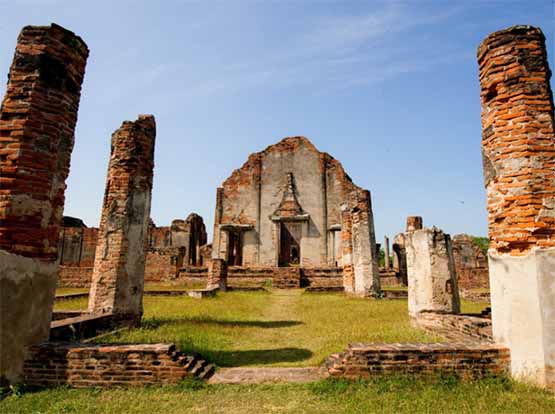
point(37, 124)
point(169, 249)
point(467, 360)
point(470, 262)
point(86, 366)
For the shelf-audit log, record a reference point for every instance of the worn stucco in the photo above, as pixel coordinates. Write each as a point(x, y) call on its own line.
point(523, 311)
point(431, 272)
point(27, 289)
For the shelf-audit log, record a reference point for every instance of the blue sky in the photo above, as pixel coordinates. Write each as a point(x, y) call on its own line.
point(389, 88)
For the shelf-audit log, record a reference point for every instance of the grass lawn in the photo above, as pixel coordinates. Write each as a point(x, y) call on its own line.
point(383, 395)
point(282, 328)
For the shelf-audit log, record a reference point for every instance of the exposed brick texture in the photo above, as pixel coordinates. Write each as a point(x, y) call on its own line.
point(518, 139)
point(75, 276)
point(470, 262)
point(118, 276)
point(86, 366)
point(465, 359)
point(217, 275)
point(37, 124)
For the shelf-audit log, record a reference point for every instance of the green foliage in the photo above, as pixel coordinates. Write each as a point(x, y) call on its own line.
point(482, 243)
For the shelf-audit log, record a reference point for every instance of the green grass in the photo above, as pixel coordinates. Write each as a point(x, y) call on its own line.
point(473, 307)
point(284, 328)
point(382, 395)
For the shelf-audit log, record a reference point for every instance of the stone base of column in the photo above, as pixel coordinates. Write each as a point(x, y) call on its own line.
point(523, 312)
point(217, 275)
point(27, 291)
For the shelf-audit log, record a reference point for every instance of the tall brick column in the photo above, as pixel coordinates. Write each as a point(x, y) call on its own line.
point(364, 255)
point(431, 272)
point(37, 124)
point(118, 275)
point(518, 144)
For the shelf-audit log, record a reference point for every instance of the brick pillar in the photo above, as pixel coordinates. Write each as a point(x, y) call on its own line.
point(386, 250)
point(119, 266)
point(217, 275)
point(365, 257)
point(37, 124)
point(432, 277)
point(347, 249)
point(518, 144)
point(400, 258)
point(218, 245)
point(414, 223)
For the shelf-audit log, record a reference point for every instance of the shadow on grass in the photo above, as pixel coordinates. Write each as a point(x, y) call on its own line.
point(158, 322)
point(256, 357)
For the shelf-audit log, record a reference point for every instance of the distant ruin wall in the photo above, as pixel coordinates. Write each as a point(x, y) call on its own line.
point(183, 244)
point(75, 276)
point(471, 263)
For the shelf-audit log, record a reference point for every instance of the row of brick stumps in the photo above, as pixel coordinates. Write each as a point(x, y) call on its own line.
point(518, 143)
point(37, 124)
point(118, 275)
point(432, 278)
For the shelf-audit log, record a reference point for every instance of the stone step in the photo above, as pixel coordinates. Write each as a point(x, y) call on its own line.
point(265, 375)
point(198, 367)
point(207, 372)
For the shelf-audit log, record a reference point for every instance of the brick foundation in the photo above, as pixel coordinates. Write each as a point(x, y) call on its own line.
point(85, 366)
point(467, 360)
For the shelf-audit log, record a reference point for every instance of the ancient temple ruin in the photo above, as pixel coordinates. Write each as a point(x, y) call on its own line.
point(294, 207)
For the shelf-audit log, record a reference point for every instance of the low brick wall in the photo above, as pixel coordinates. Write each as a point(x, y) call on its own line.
point(466, 360)
point(249, 277)
point(455, 327)
point(322, 278)
point(192, 276)
point(389, 278)
point(74, 276)
point(84, 365)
